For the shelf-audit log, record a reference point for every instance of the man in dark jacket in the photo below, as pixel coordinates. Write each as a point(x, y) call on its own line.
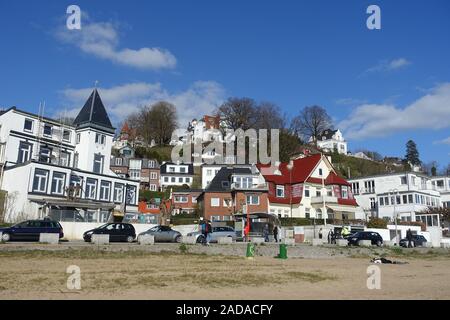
point(275, 233)
point(409, 237)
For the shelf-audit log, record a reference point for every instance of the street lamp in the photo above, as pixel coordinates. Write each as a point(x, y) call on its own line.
point(290, 167)
point(394, 192)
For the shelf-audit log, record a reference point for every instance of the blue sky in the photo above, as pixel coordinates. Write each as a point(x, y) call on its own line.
point(382, 87)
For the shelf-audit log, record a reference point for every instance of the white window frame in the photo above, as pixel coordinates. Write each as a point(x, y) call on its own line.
point(215, 202)
point(42, 182)
point(102, 190)
point(280, 187)
point(32, 125)
point(251, 198)
point(59, 183)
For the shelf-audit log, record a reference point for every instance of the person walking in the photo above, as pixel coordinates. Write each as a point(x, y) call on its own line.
point(320, 233)
point(330, 236)
point(203, 232)
point(208, 231)
point(275, 233)
point(266, 233)
point(409, 237)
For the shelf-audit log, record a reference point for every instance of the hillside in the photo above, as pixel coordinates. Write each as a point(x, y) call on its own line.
point(351, 167)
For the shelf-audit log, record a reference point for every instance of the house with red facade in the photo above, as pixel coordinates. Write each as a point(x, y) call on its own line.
point(308, 187)
point(185, 201)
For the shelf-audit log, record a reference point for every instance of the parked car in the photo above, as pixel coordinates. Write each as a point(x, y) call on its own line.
point(30, 230)
point(215, 234)
point(374, 237)
point(118, 232)
point(418, 241)
point(163, 234)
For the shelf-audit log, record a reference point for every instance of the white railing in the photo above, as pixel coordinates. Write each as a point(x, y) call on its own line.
point(322, 199)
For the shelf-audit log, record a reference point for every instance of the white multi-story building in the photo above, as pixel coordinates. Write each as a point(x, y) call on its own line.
point(176, 174)
point(330, 140)
point(404, 195)
point(62, 171)
point(442, 184)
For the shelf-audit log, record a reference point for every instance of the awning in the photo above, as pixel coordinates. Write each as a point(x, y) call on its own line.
point(83, 204)
point(340, 208)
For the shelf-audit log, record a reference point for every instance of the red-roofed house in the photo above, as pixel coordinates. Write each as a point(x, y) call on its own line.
point(308, 187)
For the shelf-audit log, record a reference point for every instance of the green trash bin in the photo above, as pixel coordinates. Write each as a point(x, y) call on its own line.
point(250, 250)
point(283, 251)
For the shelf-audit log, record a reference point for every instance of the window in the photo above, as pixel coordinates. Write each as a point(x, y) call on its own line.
point(209, 172)
point(75, 160)
point(25, 150)
point(386, 201)
point(215, 202)
point(100, 138)
point(188, 180)
point(344, 192)
point(151, 163)
point(98, 163)
point(280, 191)
point(64, 159)
point(410, 198)
point(194, 199)
point(40, 181)
point(118, 192)
point(173, 179)
point(398, 199)
point(225, 184)
point(180, 180)
point(320, 172)
point(153, 187)
point(131, 195)
point(105, 190)
point(355, 187)
point(318, 193)
point(381, 201)
point(91, 188)
point(403, 180)
point(440, 183)
point(135, 174)
point(372, 203)
point(307, 191)
point(166, 179)
point(307, 213)
point(405, 199)
point(369, 186)
point(78, 138)
point(253, 200)
point(28, 125)
point(182, 169)
point(181, 199)
point(75, 183)
point(45, 154)
point(243, 182)
point(66, 135)
point(58, 183)
point(153, 175)
point(171, 169)
point(47, 130)
point(119, 161)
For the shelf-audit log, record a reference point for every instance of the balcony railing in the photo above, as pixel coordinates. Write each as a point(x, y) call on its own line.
point(262, 186)
point(322, 199)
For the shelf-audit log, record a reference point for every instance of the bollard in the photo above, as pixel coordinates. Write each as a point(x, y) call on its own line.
point(283, 251)
point(250, 250)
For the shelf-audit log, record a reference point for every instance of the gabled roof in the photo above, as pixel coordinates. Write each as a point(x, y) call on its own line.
point(301, 170)
point(224, 175)
point(93, 114)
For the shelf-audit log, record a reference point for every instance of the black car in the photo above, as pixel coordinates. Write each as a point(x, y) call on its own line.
point(417, 240)
point(118, 232)
point(30, 230)
point(374, 237)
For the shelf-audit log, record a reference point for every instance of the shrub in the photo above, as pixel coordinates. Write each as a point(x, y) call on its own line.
point(377, 223)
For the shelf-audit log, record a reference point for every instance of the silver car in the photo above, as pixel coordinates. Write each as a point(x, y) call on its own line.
point(217, 232)
point(163, 234)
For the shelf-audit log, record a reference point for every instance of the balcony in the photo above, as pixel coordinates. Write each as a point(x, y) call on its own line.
point(255, 187)
point(322, 199)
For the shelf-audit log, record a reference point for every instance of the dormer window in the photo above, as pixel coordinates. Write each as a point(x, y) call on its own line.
point(100, 138)
point(66, 135)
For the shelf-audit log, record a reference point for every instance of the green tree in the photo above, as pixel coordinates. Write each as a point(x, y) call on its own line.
point(412, 154)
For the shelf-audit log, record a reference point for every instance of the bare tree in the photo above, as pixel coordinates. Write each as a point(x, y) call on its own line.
point(311, 122)
point(269, 116)
point(239, 113)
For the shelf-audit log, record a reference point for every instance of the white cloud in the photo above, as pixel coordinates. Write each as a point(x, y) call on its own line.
point(431, 111)
point(350, 101)
point(443, 141)
point(391, 65)
point(102, 40)
point(199, 99)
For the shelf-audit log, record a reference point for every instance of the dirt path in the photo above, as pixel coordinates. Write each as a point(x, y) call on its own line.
point(175, 276)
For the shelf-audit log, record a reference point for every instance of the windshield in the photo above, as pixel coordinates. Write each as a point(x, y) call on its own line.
point(154, 229)
point(103, 226)
point(357, 234)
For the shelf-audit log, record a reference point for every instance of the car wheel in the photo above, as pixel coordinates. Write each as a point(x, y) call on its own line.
point(199, 239)
point(357, 243)
point(379, 243)
point(178, 239)
point(130, 239)
point(6, 237)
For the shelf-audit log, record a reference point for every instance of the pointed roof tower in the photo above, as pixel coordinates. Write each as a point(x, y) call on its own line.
point(94, 115)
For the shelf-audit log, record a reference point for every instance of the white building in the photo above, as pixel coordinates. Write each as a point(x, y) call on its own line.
point(330, 140)
point(176, 174)
point(442, 184)
point(404, 195)
point(61, 170)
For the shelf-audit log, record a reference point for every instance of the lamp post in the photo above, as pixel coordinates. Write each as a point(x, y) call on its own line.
point(290, 167)
point(394, 193)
